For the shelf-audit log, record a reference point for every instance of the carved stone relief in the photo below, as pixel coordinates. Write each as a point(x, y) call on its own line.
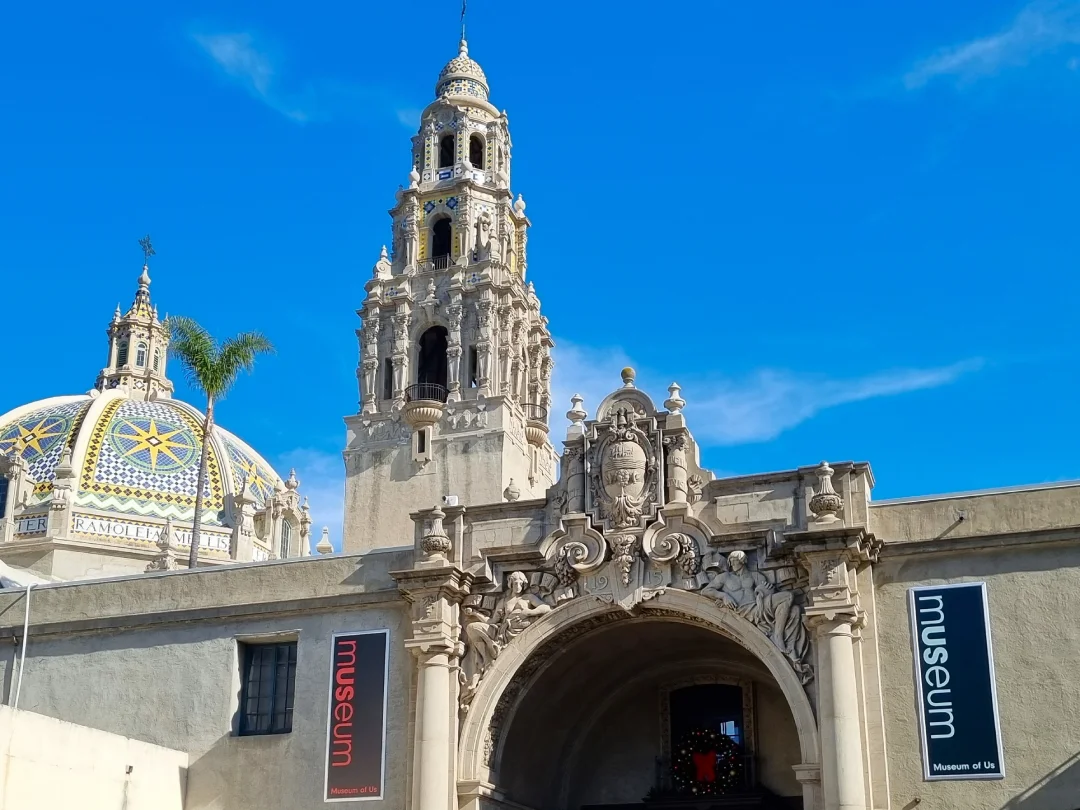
point(773, 611)
point(623, 472)
point(491, 622)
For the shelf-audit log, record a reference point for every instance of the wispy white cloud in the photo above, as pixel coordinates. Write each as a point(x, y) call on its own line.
point(755, 408)
point(769, 402)
point(1039, 29)
point(239, 58)
point(247, 62)
point(322, 482)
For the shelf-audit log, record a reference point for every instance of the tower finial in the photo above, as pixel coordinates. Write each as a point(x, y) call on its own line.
point(147, 249)
point(464, 3)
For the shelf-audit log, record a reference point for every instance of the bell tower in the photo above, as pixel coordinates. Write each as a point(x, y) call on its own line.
point(455, 357)
point(138, 344)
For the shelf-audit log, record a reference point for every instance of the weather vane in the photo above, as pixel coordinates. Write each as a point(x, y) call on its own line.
point(147, 249)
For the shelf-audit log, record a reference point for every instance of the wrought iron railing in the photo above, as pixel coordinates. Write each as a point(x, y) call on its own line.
point(534, 412)
point(440, 262)
point(426, 391)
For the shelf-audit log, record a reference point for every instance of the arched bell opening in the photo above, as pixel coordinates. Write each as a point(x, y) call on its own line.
point(441, 242)
point(431, 366)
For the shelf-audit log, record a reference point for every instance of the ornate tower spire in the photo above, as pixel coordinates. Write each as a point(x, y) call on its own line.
point(453, 345)
point(138, 344)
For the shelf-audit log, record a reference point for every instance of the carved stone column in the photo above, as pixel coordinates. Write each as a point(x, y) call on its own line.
point(453, 352)
point(483, 347)
point(434, 589)
point(831, 558)
point(675, 447)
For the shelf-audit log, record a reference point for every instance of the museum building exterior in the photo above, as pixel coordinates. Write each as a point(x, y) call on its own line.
point(609, 625)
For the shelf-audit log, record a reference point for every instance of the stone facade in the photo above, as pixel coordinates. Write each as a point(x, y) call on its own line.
point(541, 628)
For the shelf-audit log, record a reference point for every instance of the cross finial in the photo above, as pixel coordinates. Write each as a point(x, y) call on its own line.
point(463, 4)
point(147, 248)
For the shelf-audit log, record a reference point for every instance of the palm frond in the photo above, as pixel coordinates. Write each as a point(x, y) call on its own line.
point(210, 368)
point(238, 354)
point(196, 350)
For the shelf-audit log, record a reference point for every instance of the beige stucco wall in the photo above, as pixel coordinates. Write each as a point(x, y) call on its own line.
point(48, 764)
point(176, 683)
point(1034, 598)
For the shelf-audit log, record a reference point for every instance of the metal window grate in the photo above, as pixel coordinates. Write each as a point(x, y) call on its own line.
point(268, 688)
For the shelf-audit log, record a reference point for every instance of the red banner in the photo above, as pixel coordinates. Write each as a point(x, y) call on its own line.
point(356, 722)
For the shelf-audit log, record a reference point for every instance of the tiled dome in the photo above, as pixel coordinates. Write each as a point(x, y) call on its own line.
point(462, 76)
point(134, 457)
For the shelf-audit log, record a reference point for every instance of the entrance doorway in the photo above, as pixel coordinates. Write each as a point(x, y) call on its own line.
point(650, 713)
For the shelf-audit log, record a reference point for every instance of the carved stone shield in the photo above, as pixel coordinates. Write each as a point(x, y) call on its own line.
point(622, 470)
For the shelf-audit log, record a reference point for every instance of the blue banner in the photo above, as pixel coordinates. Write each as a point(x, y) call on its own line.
point(954, 674)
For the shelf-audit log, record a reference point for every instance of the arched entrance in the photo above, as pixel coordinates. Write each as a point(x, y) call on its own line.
point(578, 713)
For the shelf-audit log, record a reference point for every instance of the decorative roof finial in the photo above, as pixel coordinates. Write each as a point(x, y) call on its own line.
point(148, 250)
point(292, 482)
point(325, 546)
point(414, 178)
point(674, 403)
point(577, 414)
point(628, 376)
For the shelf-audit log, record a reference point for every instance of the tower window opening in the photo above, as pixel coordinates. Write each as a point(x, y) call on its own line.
point(446, 151)
point(431, 363)
point(476, 151)
point(140, 355)
point(157, 359)
point(421, 441)
point(286, 538)
point(4, 488)
point(388, 379)
point(440, 242)
point(474, 363)
point(122, 353)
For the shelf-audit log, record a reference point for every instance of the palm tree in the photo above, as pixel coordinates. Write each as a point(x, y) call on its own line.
point(212, 368)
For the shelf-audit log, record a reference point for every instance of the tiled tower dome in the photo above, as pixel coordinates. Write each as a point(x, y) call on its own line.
point(110, 469)
point(462, 76)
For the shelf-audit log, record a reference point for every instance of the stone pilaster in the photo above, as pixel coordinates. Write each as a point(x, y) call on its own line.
point(434, 590)
point(832, 557)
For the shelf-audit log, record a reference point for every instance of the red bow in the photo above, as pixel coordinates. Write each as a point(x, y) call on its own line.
point(705, 767)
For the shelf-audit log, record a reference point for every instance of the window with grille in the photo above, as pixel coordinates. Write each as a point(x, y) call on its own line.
point(286, 538)
point(122, 354)
point(266, 694)
point(140, 355)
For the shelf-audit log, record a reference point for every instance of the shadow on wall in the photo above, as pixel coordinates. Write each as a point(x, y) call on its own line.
point(1058, 790)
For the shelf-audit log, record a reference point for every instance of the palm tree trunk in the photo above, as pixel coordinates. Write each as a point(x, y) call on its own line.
point(196, 523)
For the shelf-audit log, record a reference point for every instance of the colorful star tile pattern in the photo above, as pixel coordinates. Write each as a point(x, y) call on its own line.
point(246, 468)
point(41, 436)
point(147, 454)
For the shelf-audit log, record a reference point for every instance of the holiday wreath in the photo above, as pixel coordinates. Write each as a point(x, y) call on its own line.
point(706, 763)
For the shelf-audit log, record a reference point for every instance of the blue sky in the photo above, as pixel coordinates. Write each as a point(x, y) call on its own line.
point(848, 231)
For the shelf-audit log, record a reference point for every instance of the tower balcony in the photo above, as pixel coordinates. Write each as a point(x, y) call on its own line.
point(424, 404)
point(536, 423)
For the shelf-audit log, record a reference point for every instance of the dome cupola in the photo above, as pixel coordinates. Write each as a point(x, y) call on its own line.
point(462, 76)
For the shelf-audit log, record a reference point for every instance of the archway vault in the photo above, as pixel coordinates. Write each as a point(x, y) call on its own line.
point(482, 733)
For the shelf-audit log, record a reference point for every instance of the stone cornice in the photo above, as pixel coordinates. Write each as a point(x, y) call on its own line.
point(986, 542)
point(133, 621)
